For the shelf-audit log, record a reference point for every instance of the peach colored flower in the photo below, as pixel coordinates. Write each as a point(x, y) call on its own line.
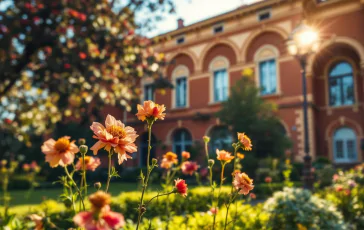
point(335, 177)
point(168, 160)
point(246, 143)
point(26, 167)
point(189, 167)
point(181, 187)
point(115, 136)
point(347, 192)
point(243, 183)
point(100, 217)
point(235, 172)
point(91, 163)
point(339, 188)
point(268, 179)
point(151, 110)
point(166, 164)
point(186, 155)
point(61, 152)
point(213, 211)
point(222, 155)
point(38, 220)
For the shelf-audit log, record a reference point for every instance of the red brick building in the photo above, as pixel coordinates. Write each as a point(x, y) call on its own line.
point(210, 56)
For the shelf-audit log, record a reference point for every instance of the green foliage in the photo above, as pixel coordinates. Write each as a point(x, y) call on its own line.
point(295, 207)
point(246, 111)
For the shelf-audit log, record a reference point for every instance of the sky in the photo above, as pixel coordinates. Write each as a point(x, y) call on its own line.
point(194, 11)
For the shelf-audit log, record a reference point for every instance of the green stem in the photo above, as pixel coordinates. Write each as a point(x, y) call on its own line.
point(159, 195)
point(75, 185)
point(218, 195)
point(146, 180)
point(109, 171)
point(84, 174)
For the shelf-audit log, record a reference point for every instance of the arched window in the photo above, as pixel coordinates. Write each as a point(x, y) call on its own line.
point(267, 69)
point(182, 141)
point(219, 85)
point(221, 138)
point(341, 84)
point(180, 95)
point(345, 149)
point(143, 149)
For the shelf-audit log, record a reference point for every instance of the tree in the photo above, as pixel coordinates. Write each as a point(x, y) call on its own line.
point(245, 111)
point(67, 59)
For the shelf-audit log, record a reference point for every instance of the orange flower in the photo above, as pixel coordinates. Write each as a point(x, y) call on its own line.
point(91, 163)
point(189, 167)
point(222, 155)
point(168, 160)
point(116, 135)
point(243, 183)
point(240, 156)
point(246, 143)
point(61, 152)
point(186, 155)
point(181, 187)
point(151, 110)
point(236, 171)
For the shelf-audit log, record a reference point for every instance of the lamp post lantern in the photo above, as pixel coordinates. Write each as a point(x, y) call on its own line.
point(302, 42)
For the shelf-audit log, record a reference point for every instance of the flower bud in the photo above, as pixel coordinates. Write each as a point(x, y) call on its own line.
point(211, 162)
point(82, 141)
point(83, 149)
point(154, 161)
point(97, 185)
point(206, 139)
point(142, 209)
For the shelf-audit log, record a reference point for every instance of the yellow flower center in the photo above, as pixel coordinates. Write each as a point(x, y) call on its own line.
point(116, 131)
point(62, 144)
point(87, 159)
point(99, 199)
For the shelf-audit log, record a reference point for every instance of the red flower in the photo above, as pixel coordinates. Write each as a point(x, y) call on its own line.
point(181, 187)
point(82, 17)
point(268, 179)
point(189, 167)
point(82, 55)
point(253, 196)
point(7, 121)
point(339, 188)
point(67, 65)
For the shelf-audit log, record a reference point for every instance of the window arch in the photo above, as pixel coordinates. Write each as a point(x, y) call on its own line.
point(182, 141)
point(345, 145)
point(267, 69)
point(219, 85)
point(341, 84)
point(221, 138)
point(143, 149)
point(180, 93)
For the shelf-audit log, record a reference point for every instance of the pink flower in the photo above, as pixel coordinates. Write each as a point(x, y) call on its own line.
point(61, 152)
point(115, 136)
point(243, 183)
point(181, 187)
point(91, 163)
point(204, 172)
point(213, 211)
point(335, 177)
point(347, 192)
point(38, 220)
point(100, 217)
point(253, 196)
point(151, 110)
point(189, 167)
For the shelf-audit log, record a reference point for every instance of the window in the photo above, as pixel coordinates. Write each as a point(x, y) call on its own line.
point(341, 84)
point(218, 29)
point(148, 92)
point(180, 40)
point(344, 142)
point(220, 85)
point(268, 77)
point(182, 141)
point(264, 16)
point(221, 138)
point(181, 92)
point(143, 149)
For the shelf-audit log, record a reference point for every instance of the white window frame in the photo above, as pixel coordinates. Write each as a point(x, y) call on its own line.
point(180, 71)
point(266, 53)
point(218, 63)
point(183, 142)
point(345, 138)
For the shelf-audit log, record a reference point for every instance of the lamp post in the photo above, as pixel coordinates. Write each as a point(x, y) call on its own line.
point(302, 42)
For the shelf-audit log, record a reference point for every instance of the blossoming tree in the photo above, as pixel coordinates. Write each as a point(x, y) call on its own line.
point(63, 59)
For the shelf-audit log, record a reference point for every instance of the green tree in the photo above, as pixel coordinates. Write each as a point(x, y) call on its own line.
point(245, 111)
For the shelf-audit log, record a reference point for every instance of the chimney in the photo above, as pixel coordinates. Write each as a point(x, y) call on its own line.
point(180, 23)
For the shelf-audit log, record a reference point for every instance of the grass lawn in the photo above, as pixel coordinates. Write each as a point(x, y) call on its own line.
point(18, 197)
